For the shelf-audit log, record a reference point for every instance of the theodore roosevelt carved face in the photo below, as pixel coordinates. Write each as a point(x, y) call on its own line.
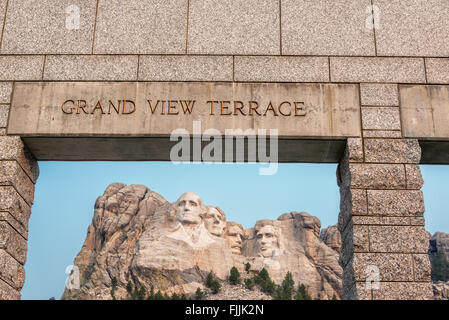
point(189, 208)
point(215, 220)
point(267, 239)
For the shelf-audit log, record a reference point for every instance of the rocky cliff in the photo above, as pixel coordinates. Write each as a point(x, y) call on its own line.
point(137, 236)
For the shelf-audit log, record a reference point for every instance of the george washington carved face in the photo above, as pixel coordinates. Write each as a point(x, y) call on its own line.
point(189, 208)
point(267, 239)
point(215, 220)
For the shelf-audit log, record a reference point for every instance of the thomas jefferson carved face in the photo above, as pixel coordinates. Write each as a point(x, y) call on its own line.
point(234, 236)
point(267, 240)
point(215, 221)
point(189, 209)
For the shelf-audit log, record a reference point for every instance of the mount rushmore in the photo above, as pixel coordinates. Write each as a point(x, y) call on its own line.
point(137, 236)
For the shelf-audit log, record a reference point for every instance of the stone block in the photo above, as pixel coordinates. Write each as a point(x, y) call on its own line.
point(421, 267)
point(355, 149)
point(404, 291)
point(392, 267)
point(437, 70)
point(5, 92)
point(2, 131)
point(358, 292)
point(49, 26)
point(401, 239)
point(21, 68)
point(11, 271)
point(381, 118)
point(12, 221)
point(382, 134)
point(370, 220)
point(413, 28)
point(377, 176)
point(4, 111)
point(352, 202)
point(392, 151)
point(96, 67)
point(7, 292)
point(395, 202)
point(12, 242)
point(414, 177)
point(281, 69)
point(324, 27)
point(141, 27)
point(12, 203)
point(234, 27)
point(11, 174)
point(186, 68)
point(379, 94)
point(424, 111)
point(382, 69)
point(417, 221)
point(12, 148)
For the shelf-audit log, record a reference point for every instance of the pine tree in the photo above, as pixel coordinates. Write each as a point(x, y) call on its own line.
point(158, 296)
point(249, 284)
point(285, 291)
point(151, 295)
point(302, 293)
point(199, 294)
point(209, 280)
point(234, 277)
point(247, 267)
point(334, 297)
point(174, 296)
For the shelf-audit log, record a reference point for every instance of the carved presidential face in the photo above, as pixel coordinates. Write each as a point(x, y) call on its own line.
point(189, 208)
point(215, 221)
point(267, 240)
point(234, 237)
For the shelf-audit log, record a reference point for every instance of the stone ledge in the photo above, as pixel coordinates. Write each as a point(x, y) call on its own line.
point(185, 68)
point(381, 221)
point(381, 118)
point(414, 177)
point(381, 134)
point(376, 176)
point(367, 69)
point(281, 69)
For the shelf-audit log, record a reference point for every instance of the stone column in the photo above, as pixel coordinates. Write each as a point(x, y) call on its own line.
point(382, 211)
point(18, 174)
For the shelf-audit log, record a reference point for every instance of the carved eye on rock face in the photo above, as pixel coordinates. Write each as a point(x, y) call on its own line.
point(193, 203)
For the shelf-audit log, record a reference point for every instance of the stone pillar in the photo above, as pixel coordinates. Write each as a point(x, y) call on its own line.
point(382, 211)
point(18, 174)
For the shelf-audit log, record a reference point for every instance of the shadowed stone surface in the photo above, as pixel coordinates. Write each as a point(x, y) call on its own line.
point(324, 27)
point(141, 27)
point(186, 68)
point(239, 27)
point(413, 28)
point(99, 68)
point(40, 27)
point(421, 267)
point(282, 69)
point(13, 242)
point(11, 202)
point(361, 69)
point(7, 292)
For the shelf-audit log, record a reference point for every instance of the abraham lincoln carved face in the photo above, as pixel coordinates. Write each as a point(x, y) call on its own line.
point(267, 239)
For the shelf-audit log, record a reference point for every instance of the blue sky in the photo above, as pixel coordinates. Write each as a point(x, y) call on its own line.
point(66, 193)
